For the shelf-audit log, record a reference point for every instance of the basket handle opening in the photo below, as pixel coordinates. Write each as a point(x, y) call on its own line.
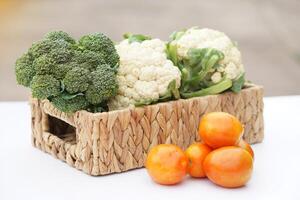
point(62, 130)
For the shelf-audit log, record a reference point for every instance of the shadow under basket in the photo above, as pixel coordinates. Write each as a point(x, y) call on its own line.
point(117, 141)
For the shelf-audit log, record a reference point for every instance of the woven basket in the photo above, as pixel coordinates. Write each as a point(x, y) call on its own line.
point(117, 141)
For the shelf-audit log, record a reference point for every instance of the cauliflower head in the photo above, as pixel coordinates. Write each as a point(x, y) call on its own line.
point(231, 66)
point(206, 57)
point(144, 74)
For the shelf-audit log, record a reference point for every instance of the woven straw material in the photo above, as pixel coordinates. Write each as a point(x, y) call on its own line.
point(117, 141)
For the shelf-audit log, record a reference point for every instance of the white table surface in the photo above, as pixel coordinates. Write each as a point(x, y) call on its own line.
point(28, 173)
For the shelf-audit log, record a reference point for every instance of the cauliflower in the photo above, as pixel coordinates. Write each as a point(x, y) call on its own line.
point(206, 57)
point(145, 75)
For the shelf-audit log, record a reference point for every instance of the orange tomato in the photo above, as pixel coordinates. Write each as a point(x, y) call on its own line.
point(196, 154)
point(244, 145)
point(167, 164)
point(218, 129)
point(229, 166)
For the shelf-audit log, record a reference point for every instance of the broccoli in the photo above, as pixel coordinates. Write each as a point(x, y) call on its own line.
point(100, 43)
point(62, 53)
point(70, 105)
point(44, 86)
point(41, 47)
point(24, 70)
point(72, 75)
point(60, 70)
point(43, 65)
point(89, 59)
point(104, 85)
point(77, 80)
point(60, 50)
point(60, 35)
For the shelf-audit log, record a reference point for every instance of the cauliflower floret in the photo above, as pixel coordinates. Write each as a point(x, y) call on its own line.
point(216, 77)
point(144, 73)
point(231, 66)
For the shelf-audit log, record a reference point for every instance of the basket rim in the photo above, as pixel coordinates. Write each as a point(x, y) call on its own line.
point(248, 87)
point(99, 114)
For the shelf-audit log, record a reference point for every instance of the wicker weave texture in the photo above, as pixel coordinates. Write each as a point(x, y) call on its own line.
point(118, 141)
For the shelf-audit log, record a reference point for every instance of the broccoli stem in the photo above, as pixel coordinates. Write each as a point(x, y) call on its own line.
point(214, 89)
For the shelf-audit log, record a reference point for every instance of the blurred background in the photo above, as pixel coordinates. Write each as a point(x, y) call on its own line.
point(267, 31)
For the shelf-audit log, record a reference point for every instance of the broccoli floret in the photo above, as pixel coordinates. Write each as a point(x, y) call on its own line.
point(60, 35)
point(89, 59)
point(24, 70)
point(60, 70)
point(43, 65)
point(100, 43)
point(70, 105)
point(94, 42)
point(44, 86)
point(41, 47)
point(107, 67)
point(104, 85)
point(51, 63)
point(77, 80)
point(60, 50)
